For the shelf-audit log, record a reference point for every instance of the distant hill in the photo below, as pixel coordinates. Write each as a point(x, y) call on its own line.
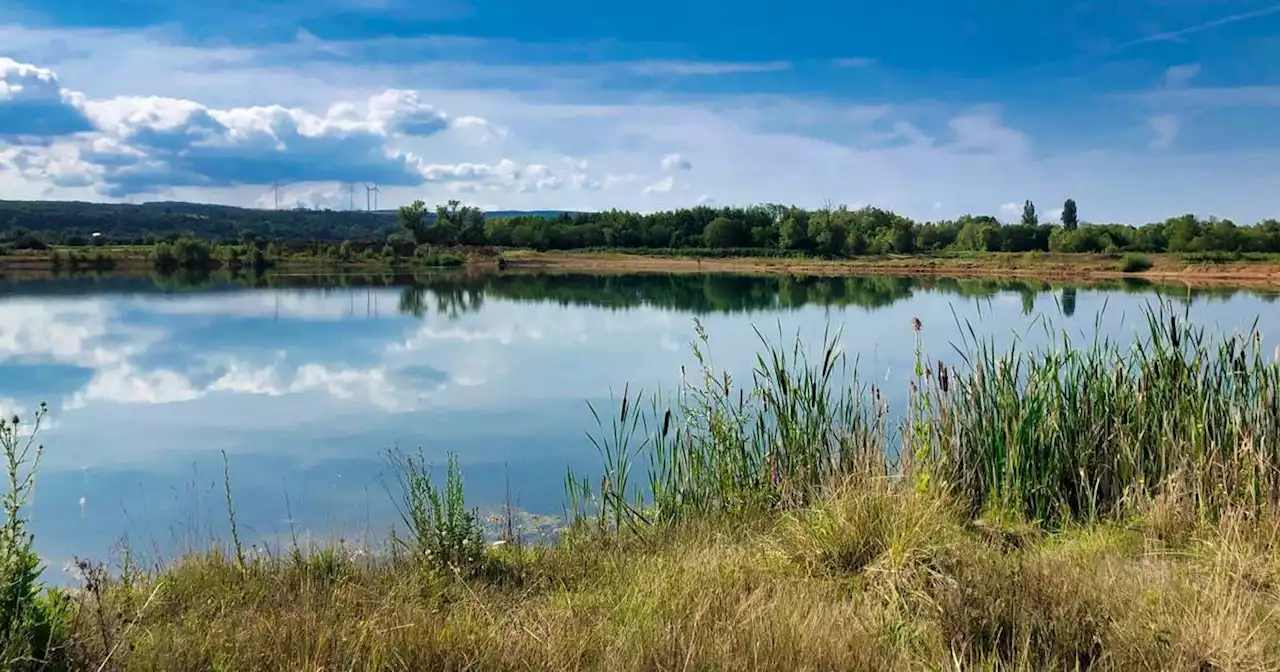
point(59, 220)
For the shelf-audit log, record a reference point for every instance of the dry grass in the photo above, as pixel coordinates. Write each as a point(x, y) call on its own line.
point(874, 576)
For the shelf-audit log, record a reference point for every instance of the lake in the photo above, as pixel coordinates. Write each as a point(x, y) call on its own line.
point(304, 383)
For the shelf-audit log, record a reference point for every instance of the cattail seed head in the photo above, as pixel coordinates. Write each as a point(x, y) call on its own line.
point(915, 324)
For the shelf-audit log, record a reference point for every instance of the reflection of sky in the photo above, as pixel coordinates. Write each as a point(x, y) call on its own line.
point(304, 390)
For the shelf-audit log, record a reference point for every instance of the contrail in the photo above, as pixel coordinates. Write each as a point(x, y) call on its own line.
point(1234, 18)
point(1166, 35)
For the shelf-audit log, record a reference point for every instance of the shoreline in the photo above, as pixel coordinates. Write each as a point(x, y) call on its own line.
point(1078, 268)
point(1082, 269)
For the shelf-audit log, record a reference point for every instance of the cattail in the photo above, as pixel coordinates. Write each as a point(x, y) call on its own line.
point(666, 423)
point(944, 380)
point(915, 324)
point(912, 386)
point(623, 417)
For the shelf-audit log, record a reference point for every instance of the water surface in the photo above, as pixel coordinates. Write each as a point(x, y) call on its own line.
point(304, 387)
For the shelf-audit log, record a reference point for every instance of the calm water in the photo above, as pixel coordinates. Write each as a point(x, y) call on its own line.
point(304, 388)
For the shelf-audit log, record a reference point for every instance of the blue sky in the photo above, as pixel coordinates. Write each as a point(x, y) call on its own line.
point(1139, 110)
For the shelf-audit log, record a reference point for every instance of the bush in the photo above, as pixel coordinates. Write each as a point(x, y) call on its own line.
point(1135, 263)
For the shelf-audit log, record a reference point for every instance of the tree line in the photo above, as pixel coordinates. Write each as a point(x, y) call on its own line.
point(768, 229)
point(834, 231)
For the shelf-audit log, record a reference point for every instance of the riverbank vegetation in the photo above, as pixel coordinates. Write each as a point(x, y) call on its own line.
point(763, 230)
point(1076, 505)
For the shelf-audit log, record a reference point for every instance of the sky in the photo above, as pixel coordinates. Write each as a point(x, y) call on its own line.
point(1140, 110)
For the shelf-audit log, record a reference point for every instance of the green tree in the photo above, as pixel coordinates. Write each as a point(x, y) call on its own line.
point(1029, 216)
point(458, 223)
point(413, 219)
point(723, 233)
point(792, 235)
point(1070, 219)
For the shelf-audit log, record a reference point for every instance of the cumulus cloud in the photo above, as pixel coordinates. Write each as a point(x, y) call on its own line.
point(675, 162)
point(1010, 211)
point(910, 154)
point(1165, 127)
point(145, 144)
point(33, 105)
point(181, 142)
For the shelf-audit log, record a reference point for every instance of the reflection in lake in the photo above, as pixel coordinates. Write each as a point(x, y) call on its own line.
point(304, 381)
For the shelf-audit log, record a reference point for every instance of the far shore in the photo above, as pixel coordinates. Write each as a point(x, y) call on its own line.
point(1065, 268)
point(1082, 268)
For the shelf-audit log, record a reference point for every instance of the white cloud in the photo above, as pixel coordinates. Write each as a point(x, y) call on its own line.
point(692, 68)
point(900, 154)
point(1181, 75)
point(855, 62)
point(34, 105)
point(126, 384)
point(981, 131)
point(1165, 127)
point(706, 199)
point(675, 162)
point(1011, 211)
point(662, 186)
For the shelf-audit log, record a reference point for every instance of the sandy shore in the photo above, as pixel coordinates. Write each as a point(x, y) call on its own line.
point(1062, 267)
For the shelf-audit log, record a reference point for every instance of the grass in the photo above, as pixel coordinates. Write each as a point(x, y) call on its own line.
point(1070, 506)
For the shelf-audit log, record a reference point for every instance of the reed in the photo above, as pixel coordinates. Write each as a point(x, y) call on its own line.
point(1059, 433)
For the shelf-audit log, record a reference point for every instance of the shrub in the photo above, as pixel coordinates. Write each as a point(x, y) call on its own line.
point(1135, 263)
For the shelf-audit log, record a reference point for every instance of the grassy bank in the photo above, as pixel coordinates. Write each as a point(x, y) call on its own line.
point(1080, 506)
point(194, 255)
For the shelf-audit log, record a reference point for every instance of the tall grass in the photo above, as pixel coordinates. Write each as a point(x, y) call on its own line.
point(718, 447)
point(1064, 432)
